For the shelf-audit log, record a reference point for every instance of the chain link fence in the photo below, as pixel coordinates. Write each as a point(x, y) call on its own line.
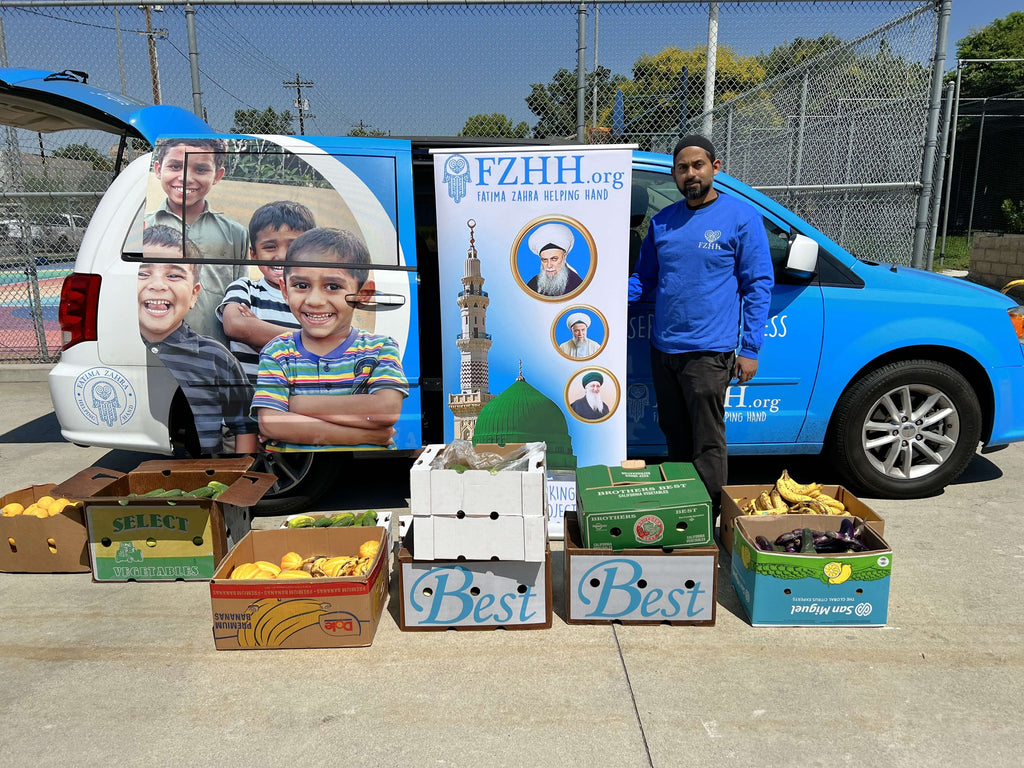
point(821, 105)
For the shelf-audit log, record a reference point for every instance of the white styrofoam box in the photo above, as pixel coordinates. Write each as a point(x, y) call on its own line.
point(504, 537)
point(477, 492)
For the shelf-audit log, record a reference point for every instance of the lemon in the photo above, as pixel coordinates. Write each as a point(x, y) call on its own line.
point(59, 506)
point(45, 501)
point(12, 509)
point(844, 573)
point(833, 569)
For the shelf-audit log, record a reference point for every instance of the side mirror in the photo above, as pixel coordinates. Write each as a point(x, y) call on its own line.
point(802, 255)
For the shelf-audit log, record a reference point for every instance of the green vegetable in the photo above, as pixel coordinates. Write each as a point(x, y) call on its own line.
point(369, 517)
point(807, 543)
point(302, 521)
point(172, 493)
point(343, 520)
point(204, 492)
point(218, 488)
point(154, 492)
point(323, 522)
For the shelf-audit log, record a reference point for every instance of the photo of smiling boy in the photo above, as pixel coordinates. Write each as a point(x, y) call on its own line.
point(254, 312)
point(329, 385)
point(214, 383)
point(187, 170)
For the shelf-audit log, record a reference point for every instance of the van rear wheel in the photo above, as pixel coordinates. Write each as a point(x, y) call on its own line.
point(906, 430)
point(302, 479)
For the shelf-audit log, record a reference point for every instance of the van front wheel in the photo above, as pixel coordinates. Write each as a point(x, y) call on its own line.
point(302, 478)
point(906, 430)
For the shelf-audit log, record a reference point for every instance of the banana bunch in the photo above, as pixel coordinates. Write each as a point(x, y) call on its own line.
point(789, 497)
point(273, 621)
point(295, 566)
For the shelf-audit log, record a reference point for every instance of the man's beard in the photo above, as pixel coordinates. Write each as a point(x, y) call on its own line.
point(697, 191)
point(581, 346)
point(553, 286)
point(594, 401)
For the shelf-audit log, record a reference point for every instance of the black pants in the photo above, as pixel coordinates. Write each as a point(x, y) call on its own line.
point(690, 387)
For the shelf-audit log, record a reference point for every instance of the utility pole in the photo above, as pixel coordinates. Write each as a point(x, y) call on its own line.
point(301, 104)
point(151, 35)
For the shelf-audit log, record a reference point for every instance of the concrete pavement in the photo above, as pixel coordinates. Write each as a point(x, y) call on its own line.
point(126, 674)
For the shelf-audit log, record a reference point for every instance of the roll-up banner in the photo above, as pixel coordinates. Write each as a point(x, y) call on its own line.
point(533, 255)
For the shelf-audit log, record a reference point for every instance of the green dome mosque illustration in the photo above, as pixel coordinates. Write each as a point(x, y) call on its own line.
point(523, 414)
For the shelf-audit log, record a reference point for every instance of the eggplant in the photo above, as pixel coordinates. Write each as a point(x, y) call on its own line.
point(846, 526)
point(763, 543)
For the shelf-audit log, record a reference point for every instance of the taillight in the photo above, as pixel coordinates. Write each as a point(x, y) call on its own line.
point(79, 305)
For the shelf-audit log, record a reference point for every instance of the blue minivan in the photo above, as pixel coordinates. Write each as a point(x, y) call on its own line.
point(898, 375)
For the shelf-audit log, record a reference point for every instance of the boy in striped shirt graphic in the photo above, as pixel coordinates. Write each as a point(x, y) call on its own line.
point(329, 385)
point(254, 312)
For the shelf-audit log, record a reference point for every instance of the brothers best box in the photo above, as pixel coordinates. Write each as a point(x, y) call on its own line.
point(33, 544)
point(475, 514)
point(734, 497)
point(322, 612)
point(663, 505)
point(789, 589)
point(157, 538)
point(639, 586)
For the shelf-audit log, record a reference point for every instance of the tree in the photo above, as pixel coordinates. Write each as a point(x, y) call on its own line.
point(255, 121)
point(555, 102)
point(496, 125)
point(787, 56)
point(667, 89)
point(1000, 39)
point(368, 131)
point(85, 153)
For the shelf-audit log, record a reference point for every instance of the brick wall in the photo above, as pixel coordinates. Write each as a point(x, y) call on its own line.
point(996, 259)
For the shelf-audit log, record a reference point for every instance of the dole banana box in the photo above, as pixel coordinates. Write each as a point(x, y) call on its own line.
point(135, 537)
point(472, 595)
point(663, 505)
point(789, 589)
point(476, 514)
point(321, 612)
point(735, 497)
point(30, 544)
point(650, 585)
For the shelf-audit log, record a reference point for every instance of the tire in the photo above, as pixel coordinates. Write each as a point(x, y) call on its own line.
point(905, 430)
point(303, 478)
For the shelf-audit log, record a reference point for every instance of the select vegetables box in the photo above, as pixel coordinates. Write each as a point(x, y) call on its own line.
point(649, 585)
point(735, 497)
point(158, 538)
point(324, 612)
point(663, 505)
point(789, 589)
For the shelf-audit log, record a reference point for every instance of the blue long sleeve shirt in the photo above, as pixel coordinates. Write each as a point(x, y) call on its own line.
point(703, 268)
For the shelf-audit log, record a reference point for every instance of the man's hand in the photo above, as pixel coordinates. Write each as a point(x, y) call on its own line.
point(745, 369)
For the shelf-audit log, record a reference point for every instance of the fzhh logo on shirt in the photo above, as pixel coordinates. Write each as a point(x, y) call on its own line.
point(711, 240)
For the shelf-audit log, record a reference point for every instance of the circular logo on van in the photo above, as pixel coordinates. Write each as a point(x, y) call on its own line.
point(105, 397)
point(649, 529)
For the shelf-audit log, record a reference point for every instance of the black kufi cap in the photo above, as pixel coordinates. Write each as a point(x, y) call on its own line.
point(694, 140)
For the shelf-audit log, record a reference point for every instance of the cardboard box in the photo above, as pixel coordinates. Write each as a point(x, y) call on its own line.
point(639, 586)
point(473, 595)
point(731, 509)
point(26, 546)
point(665, 506)
point(788, 589)
point(340, 612)
point(477, 515)
point(139, 538)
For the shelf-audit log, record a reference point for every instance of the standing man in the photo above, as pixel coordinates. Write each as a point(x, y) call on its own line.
point(705, 262)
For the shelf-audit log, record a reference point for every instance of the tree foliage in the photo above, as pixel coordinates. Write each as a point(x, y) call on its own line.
point(368, 131)
point(256, 121)
point(85, 153)
point(554, 103)
point(1000, 39)
point(496, 125)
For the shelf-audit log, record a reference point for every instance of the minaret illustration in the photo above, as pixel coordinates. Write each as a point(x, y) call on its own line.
point(474, 343)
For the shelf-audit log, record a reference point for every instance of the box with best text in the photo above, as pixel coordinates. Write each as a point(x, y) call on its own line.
point(464, 594)
point(321, 612)
point(476, 514)
point(134, 537)
point(792, 589)
point(735, 497)
point(33, 544)
point(649, 585)
point(663, 505)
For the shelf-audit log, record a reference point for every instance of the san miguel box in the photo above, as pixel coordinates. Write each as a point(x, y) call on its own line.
point(636, 505)
point(649, 585)
point(160, 537)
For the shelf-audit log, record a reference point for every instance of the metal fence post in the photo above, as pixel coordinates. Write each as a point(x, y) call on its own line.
point(710, 65)
point(977, 164)
point(193, 60)
point(581, 73)
point(940, 173)
point(931, 137)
